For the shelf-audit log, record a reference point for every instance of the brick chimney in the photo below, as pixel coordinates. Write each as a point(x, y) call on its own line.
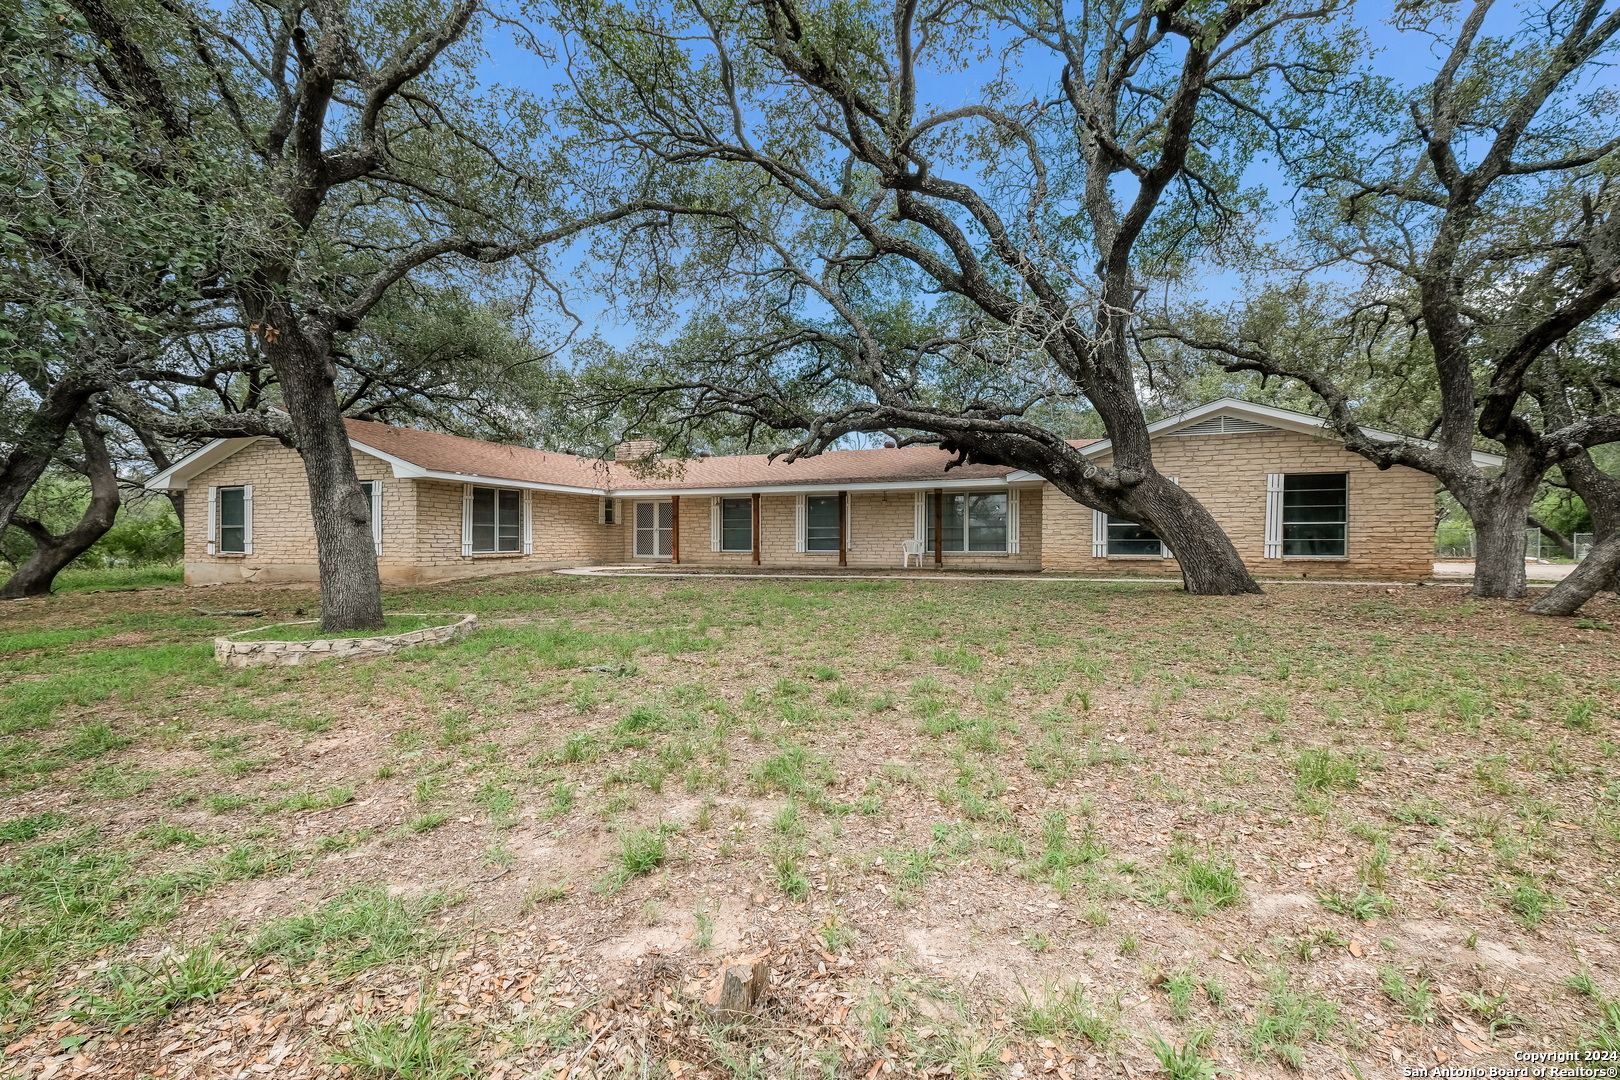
point(635, 448)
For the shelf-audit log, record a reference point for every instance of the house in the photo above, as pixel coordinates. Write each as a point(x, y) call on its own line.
point(1291, 497)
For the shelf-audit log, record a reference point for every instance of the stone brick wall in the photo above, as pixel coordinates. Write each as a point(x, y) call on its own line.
point(879, 522)
point(1391, 513)
point(566, 533)
point(283, 532)
point(421, 525)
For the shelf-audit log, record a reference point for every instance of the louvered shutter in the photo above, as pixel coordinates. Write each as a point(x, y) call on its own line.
point(375, 487)
point(213, 520)
point(1012, 521)
point(919, 528)
point(528, 522)
point(714, 523)
point(466, 520)
point(800, 515)
point(1274, 515)
point(849, 522)
point(247, 519)
point(1099, 535)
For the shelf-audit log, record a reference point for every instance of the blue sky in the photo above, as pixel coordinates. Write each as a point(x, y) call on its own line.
point(1407, 56)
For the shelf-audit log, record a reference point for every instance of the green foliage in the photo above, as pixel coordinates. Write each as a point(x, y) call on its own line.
point(360, 928)
point(417, 1046)
point(134, 993)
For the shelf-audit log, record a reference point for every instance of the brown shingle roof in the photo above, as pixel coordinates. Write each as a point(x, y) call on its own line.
point(473, 458)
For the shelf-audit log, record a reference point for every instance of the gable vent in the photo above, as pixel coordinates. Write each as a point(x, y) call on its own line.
point(1223, 425)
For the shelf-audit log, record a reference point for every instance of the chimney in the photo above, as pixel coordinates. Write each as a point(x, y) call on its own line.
point(634, 448)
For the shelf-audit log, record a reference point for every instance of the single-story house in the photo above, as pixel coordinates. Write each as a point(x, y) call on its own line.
point(1291, 497)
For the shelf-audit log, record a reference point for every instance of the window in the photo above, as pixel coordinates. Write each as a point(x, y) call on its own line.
point(497, 520)
point(821, 523)
point(234, 523)
point(1314, 513)
point(737, 524)
point(655, 529)
point(970, 522)
point(1128, 538)
point(610, 512)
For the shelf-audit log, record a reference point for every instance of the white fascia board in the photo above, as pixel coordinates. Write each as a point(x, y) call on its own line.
point(1287, 419)
point(178, 475)
point(816, 488)
point(499, 481)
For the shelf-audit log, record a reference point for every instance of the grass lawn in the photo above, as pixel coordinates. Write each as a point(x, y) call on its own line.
point(974, 829)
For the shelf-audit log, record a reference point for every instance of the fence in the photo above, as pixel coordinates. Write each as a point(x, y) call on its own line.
point(1457, 542)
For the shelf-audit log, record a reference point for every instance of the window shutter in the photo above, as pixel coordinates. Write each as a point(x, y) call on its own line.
point(1274, 515)
point(1099, 535)
point(247, 519)
point(466, 520)
point(799, 519)
point(528, 522)
point(919, 528)
point(213, 508)
point(1012, 521)
point(376, 515)
point(849, 522)
point(714, 523)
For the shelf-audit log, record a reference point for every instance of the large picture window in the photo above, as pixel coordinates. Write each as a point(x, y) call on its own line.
point(970, 522)
point(737, 524)
point(497, 521)
point(1315, 513)
point(821, 523)
point(233, 520)
point(1126, 537)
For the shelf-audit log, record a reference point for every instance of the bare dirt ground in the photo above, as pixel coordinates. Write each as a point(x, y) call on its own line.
point(974, 829)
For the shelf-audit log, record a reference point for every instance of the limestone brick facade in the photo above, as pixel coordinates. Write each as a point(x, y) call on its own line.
point(1391, 513)
point(1391, 517)
point(879, 521)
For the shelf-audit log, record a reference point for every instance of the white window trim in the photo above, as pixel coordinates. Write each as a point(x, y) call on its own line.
point(635, 531)
point(1099, 536)
point(801, 530)
point(376, 514)
point(216, 520)
point(607, 511)
point(528, 522)
point(526, 534)
point(717, 524)
point(1274, 507)
point(1009, 545)
point(1280, 523)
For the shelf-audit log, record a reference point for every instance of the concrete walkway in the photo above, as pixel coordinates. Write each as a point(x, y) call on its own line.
point(925, 575)
point(1535, 571)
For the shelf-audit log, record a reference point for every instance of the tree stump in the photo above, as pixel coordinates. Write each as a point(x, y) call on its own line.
point(739, 987)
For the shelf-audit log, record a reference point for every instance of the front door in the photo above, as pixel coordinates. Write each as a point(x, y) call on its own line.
point(654, 529)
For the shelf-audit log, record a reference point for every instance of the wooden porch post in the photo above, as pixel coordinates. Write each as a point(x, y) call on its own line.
point(843, 528)
point(939, 528)
point(756, 528)
point(675, 529)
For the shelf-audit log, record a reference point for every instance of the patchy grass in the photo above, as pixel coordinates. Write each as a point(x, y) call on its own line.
point(1160, 822)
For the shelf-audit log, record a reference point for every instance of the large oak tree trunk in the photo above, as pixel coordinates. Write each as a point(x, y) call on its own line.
point(36, 444)
point(1210, 563)
point(1499, 552)
point(351, 591)
point(53, 553)
point(1601, 568)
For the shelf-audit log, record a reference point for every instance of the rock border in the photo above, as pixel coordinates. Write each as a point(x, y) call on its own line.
point(261, 651)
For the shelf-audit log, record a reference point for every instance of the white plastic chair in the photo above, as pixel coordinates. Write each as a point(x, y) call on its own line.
point(908, 548)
